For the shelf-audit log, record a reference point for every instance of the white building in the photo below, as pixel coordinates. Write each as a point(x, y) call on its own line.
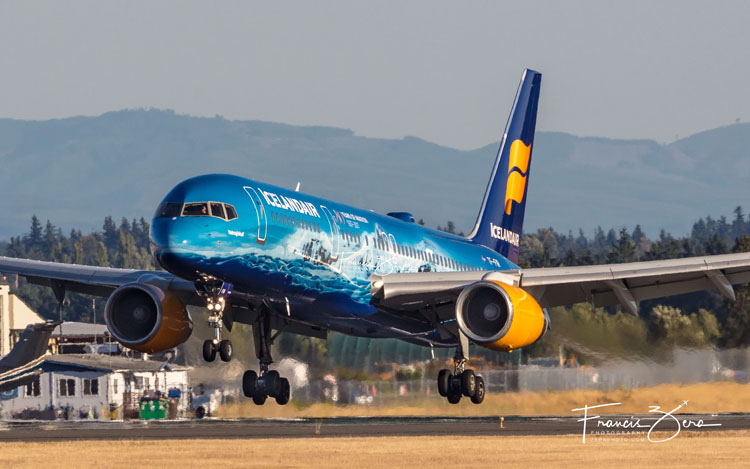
point(14, 317)
point(94, 386)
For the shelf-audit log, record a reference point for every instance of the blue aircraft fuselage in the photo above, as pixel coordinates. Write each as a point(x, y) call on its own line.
point(309, 256)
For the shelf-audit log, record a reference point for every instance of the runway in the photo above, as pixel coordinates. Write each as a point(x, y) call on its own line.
point(354, 427)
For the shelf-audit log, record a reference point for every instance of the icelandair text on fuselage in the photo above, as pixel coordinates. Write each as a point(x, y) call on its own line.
point(498, 232)
point(287, 203)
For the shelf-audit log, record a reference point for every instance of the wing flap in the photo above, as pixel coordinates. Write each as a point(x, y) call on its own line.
point(604, 285)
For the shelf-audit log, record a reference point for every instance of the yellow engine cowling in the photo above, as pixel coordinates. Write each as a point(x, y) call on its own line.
point(500, 316)
point(146, 318)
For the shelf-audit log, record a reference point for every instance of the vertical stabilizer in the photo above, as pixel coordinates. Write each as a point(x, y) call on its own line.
point(500, 222)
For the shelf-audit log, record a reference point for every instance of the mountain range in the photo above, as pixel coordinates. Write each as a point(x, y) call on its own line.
point(75, 171)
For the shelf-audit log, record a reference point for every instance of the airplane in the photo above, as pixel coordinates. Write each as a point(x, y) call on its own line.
point(287, 262)
point(23, 364)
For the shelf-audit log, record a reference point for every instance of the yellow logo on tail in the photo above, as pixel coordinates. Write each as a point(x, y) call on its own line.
point(519, 160)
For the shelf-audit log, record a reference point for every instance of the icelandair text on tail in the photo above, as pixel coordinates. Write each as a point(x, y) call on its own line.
point(498, 232)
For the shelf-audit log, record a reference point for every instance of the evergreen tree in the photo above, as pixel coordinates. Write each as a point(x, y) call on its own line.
point(700, 232)
point(582, 243)
point(49, 239)
point(600, 241)
point(570, 258)
point(35, 239)
point(637, 234)
point(716, 246)
point(624, 250)
point(110, 233)
point(739, 227)
point(611, 238)
point(125, 226)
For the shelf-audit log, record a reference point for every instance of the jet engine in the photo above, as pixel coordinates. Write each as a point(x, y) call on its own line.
point(146, 318)
point(500, 316)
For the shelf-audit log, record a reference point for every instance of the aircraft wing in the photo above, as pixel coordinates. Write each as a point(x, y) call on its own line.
point(604, 285)
point(102, 281)
point(98, 281)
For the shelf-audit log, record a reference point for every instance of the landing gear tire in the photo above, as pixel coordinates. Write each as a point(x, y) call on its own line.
point(443, 382)
point(200, 412)
point(209, 352)
point(273, 383)
point(468, 383)
point(478, 395)
point(463, 383)
point(285, 392)
point(260, 399)
point(250, 383)
point(225, 350)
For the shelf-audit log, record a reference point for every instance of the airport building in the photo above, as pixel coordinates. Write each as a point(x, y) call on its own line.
point(95, 386)
point(82, 337)
point(14, 317)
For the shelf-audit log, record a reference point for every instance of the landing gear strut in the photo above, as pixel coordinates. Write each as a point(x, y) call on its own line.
point(215, 293)
point(269, 383)
point(463, 381)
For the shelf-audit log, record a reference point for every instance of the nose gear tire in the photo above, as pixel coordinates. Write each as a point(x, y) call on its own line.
point(209, 352)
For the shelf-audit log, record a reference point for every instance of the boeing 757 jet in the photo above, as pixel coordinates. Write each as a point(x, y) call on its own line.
point(284, 261)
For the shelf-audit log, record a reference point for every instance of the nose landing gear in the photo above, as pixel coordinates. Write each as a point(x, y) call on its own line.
point(215, 293)
point(269, 383)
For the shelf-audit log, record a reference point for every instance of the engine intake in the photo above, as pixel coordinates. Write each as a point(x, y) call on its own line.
point(500, 316)
point(146, 318)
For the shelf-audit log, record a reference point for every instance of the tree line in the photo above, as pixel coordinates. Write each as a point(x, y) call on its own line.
point(125, 246)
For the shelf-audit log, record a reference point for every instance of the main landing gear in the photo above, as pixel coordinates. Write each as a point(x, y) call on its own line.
point(215, 293)
point(269, 383)
point(463, 381)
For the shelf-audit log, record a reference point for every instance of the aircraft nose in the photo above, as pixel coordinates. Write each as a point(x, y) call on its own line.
point(162, 231)
point(167, 237)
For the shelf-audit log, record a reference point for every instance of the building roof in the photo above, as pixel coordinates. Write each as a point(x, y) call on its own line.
point(79, 329)
point(109, 363)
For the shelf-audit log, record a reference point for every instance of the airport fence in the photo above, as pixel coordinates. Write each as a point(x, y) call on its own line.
point(684, 366)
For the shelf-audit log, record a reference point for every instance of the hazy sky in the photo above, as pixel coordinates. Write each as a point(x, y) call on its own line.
point(443, 71)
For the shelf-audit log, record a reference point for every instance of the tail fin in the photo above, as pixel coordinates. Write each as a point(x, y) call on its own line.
point(32, 344)
point(500, 220)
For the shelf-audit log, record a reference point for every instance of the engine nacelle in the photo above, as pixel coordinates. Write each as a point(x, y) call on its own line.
point(146, 318)
point(500, 316)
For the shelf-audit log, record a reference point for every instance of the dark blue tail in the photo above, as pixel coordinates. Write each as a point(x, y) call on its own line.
point(500, 220)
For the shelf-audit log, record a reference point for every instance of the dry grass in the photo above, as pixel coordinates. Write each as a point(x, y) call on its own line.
point(719, 449)
point(703, 398)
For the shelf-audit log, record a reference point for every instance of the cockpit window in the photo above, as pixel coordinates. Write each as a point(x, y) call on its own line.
point(169, 210)
point(199, 209)
point(231, 212)
point(217, 210)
